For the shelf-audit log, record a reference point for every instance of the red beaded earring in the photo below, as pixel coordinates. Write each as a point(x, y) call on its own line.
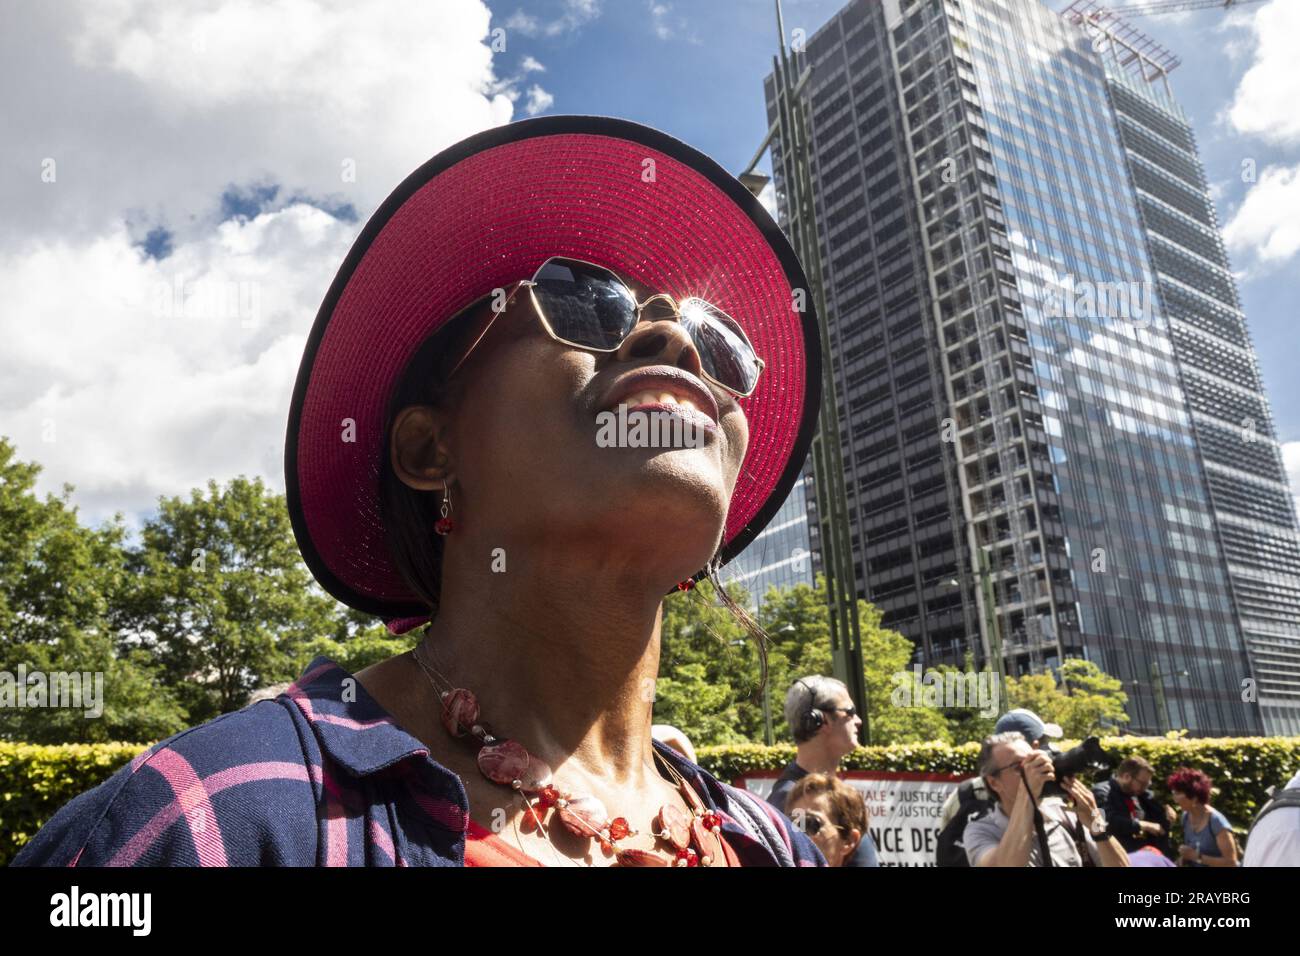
point(445, 525)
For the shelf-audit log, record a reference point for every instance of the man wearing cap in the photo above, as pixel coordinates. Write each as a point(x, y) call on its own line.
point(1024, 829)
point(972, 792)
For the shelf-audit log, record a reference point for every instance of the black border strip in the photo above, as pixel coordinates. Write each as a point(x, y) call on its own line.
point(516, 132)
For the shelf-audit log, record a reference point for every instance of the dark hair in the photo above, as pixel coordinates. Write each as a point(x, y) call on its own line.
point(409, 514)
point(848, 809)
point(1133, 766)
point(1191, 783)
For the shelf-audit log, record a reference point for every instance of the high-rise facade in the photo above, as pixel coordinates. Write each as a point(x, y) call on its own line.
point(1025, 463)
point(1247, 487)
point(782, 555)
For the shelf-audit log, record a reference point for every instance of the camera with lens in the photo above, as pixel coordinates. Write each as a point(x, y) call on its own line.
point(1089, 755)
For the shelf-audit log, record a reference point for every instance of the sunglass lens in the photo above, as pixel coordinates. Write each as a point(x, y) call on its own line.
point(812, 825)
point(724, 350)
point(585, 304)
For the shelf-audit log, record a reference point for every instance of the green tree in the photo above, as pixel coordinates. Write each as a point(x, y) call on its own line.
point(59, 584)
point(1087, 701)
point(356, 641)
point(708, 670)
point(221, 598)
point(887, 659)
point(970, 723)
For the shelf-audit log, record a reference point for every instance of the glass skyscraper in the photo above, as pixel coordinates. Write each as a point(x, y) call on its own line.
point(1013, 364)
point(782, 555)
point(1246, 482)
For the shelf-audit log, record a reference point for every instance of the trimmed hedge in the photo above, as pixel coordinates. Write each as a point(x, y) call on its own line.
point(1242, 768)
point(36, 780)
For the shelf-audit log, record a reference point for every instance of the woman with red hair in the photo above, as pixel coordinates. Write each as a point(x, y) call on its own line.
point(1207, 834)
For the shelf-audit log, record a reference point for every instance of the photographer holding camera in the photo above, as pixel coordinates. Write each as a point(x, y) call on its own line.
point(1022, 824)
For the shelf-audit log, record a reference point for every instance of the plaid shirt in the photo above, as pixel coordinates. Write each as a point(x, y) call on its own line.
point(320, 776)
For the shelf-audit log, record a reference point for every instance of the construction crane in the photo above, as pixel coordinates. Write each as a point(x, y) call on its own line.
point(1157, 7)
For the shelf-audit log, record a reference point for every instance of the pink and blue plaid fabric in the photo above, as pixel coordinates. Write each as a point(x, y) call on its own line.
point(320, 776)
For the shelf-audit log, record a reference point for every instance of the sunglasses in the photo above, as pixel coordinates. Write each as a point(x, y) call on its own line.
point(589, 307)
point(812, 824)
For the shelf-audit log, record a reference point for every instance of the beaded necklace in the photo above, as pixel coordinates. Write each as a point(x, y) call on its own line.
point(693, 837)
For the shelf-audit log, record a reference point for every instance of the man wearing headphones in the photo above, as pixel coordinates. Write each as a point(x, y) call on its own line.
point(825, 725)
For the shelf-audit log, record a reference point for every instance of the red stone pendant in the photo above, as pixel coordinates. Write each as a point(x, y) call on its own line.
point(503, 762)
point(677, 824)
point(584, 816)
point(459, 711)
point(536, 777)
point(444, 526)
point(533, 818)
point(706, 843)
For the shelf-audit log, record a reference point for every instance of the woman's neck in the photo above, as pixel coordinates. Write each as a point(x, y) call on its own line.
point(563, 660)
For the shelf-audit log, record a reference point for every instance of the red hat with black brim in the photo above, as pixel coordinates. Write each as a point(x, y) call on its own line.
point(487, 212)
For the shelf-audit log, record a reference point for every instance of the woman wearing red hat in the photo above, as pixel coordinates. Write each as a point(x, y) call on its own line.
point(450, 466)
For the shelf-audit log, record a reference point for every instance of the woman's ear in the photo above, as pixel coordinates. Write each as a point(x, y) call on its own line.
point(419, 450)
point(851, 845)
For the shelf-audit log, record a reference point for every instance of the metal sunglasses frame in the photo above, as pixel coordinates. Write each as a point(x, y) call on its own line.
point(546, 323)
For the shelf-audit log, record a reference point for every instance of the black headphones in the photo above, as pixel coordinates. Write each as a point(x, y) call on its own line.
point(812, 719)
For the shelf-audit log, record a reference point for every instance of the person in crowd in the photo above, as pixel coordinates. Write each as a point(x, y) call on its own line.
point(1274, 838)
point(825, 725)
point(1149, 856)
point(1013, 834)
point(972, 794)
point(830, 811)
point(1207, 835)
point(1133, 814)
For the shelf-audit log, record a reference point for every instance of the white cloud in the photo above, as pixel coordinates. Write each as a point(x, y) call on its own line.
point(1266, 226)
point(529, 65)
point(151, 108)
point(524, 23)
point(133, 378)
point(1291, 460)
point(1266, 97)
point(574, 14)
point(659, 19)
point(538, 100)
point(151, 111)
